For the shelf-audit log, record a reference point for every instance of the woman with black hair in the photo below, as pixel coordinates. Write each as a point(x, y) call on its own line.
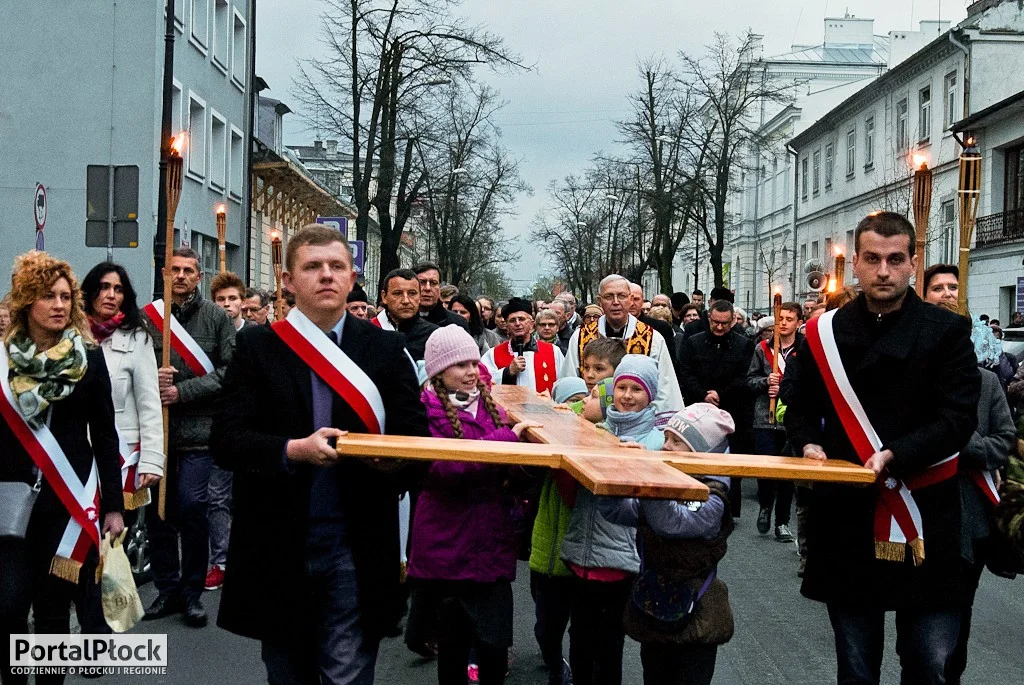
point(465, 307)
point(117, 324)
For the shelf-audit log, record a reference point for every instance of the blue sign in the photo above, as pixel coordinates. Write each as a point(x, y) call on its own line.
point(340, 224)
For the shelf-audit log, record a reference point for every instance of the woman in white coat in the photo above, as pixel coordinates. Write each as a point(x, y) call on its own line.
point(110, 303)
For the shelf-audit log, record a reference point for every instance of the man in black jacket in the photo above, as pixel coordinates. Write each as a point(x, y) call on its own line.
point(701, 324)
point(400, 307)
point(313, 564)
point(431, 307)
point(911, 367)
point(636, 304)
point(712, 367)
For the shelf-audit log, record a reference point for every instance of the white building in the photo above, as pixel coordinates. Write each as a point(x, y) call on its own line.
point(82, 85)
point(859, 156)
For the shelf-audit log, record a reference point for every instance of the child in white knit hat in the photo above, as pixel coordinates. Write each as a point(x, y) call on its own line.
point(680, 546)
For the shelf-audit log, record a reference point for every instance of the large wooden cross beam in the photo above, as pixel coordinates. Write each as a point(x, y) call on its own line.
point(595, 457)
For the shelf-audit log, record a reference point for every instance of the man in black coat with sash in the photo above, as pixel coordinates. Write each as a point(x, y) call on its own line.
point(313, 566)
point(912, 368)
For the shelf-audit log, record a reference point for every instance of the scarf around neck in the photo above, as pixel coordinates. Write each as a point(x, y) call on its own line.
point(633, 424)
point(101, 330)
point(40, 378)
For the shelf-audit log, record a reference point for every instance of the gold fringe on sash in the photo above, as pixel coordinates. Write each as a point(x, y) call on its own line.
point(917, 550)
point(404, 570)
point(890, 551)
point(65, 569)
point(134, 500)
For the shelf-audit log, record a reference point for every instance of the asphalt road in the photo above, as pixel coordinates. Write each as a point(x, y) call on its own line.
point(780, 636)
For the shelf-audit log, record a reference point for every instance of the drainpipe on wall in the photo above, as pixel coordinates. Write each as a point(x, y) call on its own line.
point(796, 195)
point(967, 73)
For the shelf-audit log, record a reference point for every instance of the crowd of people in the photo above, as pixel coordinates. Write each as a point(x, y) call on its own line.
point(305, 546)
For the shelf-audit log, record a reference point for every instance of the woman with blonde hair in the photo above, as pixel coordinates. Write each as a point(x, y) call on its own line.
point(58, 439)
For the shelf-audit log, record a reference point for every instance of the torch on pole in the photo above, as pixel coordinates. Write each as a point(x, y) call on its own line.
point(173, 191)
point(969, 192)
point(277, 259)
point(777, 307)
point(222, 236)
point(922, 208)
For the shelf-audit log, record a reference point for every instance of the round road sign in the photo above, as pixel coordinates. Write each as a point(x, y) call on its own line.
point(39, 204)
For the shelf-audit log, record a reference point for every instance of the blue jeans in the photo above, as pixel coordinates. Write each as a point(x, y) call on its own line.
point(220, 515)
point(341, 654)
point(186, 578)
point(924, 641)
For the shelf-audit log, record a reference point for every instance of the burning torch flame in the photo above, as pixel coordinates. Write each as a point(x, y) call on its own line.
point(178, 144)
point(222, 210)
point(838, 251)
point(920, 162)
point(275, 235)
point(831, 285)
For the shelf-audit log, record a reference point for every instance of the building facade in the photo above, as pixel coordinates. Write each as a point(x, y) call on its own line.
point(83, 87)
point(907, 116)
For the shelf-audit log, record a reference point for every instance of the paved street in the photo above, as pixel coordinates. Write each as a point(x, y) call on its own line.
point(780, 637)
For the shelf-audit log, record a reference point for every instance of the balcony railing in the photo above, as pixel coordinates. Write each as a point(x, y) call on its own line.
point(997, 229)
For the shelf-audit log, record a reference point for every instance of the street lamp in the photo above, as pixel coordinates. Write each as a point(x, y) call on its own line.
point(922, 208)
point(969, 192)
point(459, 170)
point(222, 236)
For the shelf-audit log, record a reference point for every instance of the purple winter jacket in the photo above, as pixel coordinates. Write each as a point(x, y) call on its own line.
point(462, 528)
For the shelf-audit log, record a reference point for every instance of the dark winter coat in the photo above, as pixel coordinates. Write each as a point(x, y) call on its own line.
point(440, 315)
point(707, 362)
point(915, 373)
point(267, 401)
point(416, 331)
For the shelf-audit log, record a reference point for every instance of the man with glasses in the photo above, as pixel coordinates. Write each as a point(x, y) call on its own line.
point(617, 322)
point(256, 306)
point(431, 307)
point(713, 368)
point(522, 360)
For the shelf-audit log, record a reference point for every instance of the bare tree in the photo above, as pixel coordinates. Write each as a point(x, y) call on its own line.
point(571, 230)
point(382, 55)
point(732, 84)
point(471, 183)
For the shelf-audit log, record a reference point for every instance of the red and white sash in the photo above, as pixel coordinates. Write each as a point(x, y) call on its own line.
point(544, 372)
point(334, 367)
point(82, 500)
point(381, 321)
point(769, 354)
point(133, 496)
point(898, 522)
point(181, 342)
point(986, 482)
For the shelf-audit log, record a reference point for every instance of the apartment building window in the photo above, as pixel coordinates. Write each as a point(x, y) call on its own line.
point(851, 152)
point(175, 107)
point(803, 255)
point(949, 116)
point(221, 34)
point(828, 248)
point(924, 114)
point(195, 146)
point(238, 166)
point(830, 163)
point(947, 215)
point(199, 34)
point(218, 151)
point(902, 132)
point(814, 250)
point(803, 178)
point(869, 142)
point(1013, 181)
point(849, 244)
point(239, 50)
point(817, 172)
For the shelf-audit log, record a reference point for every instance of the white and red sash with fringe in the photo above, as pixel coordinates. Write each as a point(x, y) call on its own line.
point(544, 370)
point(769, 354)
point(381, 321)
point(133, 496)
point(987, 484)
point(334, 367)
point(898, 522)
point(181, 342)
point(82, 500)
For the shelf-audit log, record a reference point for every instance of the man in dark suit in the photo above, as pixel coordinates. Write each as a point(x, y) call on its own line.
point(912, 368)
point(431, 307)
point(712, 367)
point(313, 566)
point(400, 307)
point(636, 303)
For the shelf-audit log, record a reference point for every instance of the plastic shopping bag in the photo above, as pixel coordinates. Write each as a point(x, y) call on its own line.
point(122, 607)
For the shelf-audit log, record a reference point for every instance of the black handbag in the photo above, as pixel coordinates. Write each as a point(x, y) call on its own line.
point(16, 502)
point(665, 603)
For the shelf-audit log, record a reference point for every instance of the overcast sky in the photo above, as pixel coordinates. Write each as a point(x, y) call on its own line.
point(585, 53)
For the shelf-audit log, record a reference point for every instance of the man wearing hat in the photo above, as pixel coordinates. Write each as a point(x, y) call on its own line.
point(357, 304)
point(521, 360)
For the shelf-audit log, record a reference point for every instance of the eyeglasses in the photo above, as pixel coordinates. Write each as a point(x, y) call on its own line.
point(616, 297)
point(429, 284)
point(251, 310)
point(720, 324)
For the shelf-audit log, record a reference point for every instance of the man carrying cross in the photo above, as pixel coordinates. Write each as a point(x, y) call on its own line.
point(617, 322)
point(890, 382)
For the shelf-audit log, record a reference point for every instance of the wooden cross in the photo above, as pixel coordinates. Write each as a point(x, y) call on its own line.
point(595, 457)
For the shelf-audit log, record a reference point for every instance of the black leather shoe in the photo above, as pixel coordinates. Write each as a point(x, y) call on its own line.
point(164, 605)
point(195, 614)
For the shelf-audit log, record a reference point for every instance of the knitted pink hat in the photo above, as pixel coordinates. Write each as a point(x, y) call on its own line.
point(449, 345)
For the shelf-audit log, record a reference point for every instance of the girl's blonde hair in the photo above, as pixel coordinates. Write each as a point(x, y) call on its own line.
point(34, 274)
point(453, 414)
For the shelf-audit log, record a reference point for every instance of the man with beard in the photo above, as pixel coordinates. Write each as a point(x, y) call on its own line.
point(890, 383)
point(400, 306)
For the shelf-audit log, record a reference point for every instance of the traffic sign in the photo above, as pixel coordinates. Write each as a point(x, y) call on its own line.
point(340, 224)
point(39, 209)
